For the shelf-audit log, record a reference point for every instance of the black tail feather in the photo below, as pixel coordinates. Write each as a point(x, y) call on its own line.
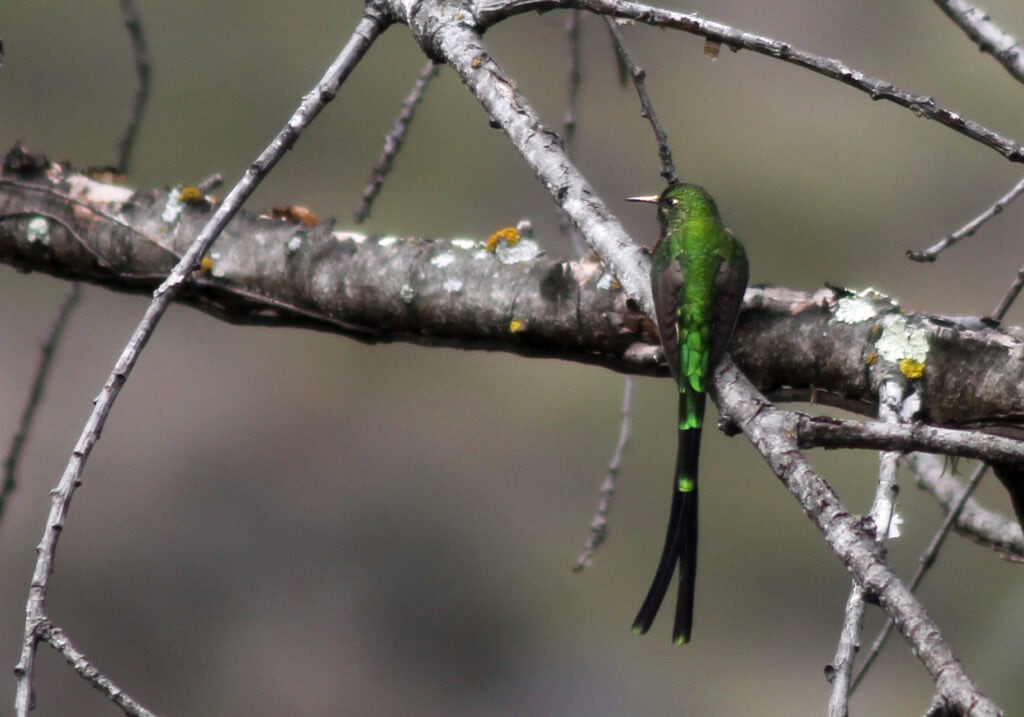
point(680, 542)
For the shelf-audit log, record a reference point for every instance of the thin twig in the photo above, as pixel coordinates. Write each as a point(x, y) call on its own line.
point(575, 78)
point(838, 672)
point(925, 563)
point(968, 229)
point(599, 524)
point(985, 527)
point(668, 169)
point(55, 637)
point(999, 313)
point(829, 432)
point(48, 350)
point(574, 36)
point(988, 36)
point(394, 140)
point(367, 30)
point(140, 54)
point(492, 11)
point(890, 400)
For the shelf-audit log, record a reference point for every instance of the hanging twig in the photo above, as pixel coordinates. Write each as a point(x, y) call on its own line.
point(599, 524)
point(573, 33)
point(394, 140)
point(48, 350)
point(140, 53)
point(668, 169)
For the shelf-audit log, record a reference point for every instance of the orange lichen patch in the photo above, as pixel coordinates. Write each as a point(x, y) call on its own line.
point(911, 368)
point(191, 195)
point(297, 214)
point(872, 359)
point(510, 235)
point(516, 326)
point(206, 265)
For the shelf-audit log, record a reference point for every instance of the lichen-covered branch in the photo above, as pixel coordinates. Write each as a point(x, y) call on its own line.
point(830, 347)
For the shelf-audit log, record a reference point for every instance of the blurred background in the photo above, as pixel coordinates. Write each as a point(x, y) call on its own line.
point(284, 522)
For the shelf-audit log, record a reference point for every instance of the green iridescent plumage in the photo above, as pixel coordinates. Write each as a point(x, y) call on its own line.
point(698, 276)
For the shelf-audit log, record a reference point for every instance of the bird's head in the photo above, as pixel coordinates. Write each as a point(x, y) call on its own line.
point(680, 203)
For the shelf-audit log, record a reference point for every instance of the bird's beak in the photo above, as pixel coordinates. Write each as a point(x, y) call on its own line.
point(650, 199)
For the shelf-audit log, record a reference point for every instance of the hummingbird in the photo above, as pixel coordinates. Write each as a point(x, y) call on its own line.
point(698, 276)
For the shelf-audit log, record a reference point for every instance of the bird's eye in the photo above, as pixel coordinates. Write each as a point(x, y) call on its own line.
point(672, 201)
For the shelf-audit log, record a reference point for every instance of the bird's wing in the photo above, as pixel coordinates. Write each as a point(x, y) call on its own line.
point(730, 285)
point(666, 305)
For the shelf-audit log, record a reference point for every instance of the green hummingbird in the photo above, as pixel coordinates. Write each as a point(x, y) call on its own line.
point(698, 276)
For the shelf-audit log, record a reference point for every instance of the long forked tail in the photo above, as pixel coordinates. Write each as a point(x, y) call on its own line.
point(680, 539)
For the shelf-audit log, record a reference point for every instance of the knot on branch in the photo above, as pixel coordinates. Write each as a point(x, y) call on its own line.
point(379, 10)
point(429, 18)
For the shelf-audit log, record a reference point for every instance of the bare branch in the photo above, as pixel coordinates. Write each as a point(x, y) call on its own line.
point(492, 11)
point(668, 168)
point(599, 524)
point(365, 33)
point(393, 142)
point(968, 229)
point(984, 527)
point(575, 79)
point(988, 36)
point(892, 394)
point(140, 54)
point(773, 434)
point(1012, 292)
point(50, 633)
point(48, 350)
point(825, 431)
point(573, 34)
point(924, 564)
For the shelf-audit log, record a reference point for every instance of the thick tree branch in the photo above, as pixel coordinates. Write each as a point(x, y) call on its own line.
point(830, 347)
point(275, 271)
